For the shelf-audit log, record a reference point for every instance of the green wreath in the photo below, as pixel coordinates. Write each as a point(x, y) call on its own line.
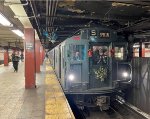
point(101, 73)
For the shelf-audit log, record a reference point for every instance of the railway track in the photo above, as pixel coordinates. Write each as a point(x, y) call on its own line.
point(128, 112)
point(116, 111)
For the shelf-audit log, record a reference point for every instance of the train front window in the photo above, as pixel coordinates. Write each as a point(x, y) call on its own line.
point(76, 52)
point(119, 52)
point(100, 54)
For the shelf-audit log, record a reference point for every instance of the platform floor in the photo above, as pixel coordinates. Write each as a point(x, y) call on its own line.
point(57, 106)
point(16, 102)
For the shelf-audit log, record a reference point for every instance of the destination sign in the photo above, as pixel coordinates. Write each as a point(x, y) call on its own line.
point(101, 34)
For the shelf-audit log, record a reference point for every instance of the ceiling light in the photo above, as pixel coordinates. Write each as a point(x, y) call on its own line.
point(18, 32)
point(4, 21)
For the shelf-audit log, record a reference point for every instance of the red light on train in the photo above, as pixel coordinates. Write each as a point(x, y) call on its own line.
point(90, 53)
point(76, 37)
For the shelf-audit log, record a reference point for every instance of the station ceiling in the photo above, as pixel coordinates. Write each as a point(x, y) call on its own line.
point(7, 38)
point(55, 20)
point(60, 19)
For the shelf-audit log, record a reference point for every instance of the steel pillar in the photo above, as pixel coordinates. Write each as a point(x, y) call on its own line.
point(37, 55)
point(30, 76)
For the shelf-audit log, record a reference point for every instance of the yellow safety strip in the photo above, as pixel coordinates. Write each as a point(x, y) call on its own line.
point(56, 104)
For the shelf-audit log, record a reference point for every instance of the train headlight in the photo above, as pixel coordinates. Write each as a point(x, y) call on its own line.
point(71, 77)
point(125, 74)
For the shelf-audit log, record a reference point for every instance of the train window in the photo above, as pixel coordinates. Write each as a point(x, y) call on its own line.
point(119, 52)
point(76, 52)
point(100, 54)
point(145, 50)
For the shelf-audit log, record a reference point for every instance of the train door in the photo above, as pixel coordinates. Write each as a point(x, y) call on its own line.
point(76, 54)
point(99, 66)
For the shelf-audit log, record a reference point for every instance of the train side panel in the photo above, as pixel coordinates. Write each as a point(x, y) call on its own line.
point(57, 61)
point(63, 65)
point(51, 55)
point(75, 66)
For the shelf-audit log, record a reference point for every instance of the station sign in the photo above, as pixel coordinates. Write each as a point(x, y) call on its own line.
point(100, 34)
point(29, 46)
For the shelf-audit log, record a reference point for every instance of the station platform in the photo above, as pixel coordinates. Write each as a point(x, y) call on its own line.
point(47, 101)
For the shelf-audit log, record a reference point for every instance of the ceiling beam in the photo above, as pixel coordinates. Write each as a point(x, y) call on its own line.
point(76, 25)
point(64, 31)
point(63, 35)
point(132, 2)
point(6, 37)
point(97, 17)
point(135, 25)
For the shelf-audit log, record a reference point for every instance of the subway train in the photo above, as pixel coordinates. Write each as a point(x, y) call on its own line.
point(92, 66)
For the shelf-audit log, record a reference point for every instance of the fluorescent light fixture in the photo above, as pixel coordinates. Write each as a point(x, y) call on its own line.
point(18, 32)
point(4, 21)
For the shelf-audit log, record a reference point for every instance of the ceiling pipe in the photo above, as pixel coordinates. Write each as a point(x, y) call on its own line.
point(65, 31)
point(69, 26)
point(47, 13)
point(56, 3)
point(35, 16)
point(134, 24)
point(108, 10)
point(142, 3)
point(51, 12)
point(120, 18)
point(52, 9)
point(54, 12)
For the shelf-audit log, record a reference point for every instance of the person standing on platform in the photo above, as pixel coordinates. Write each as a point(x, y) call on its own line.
point(12, 59)
point(15, 60)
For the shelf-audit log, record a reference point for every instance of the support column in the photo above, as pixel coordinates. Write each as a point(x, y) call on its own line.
point(6, 57)
point(30, 76)
point(37, 54)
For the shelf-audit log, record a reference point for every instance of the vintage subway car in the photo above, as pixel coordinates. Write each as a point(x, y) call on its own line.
point(92, 66)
